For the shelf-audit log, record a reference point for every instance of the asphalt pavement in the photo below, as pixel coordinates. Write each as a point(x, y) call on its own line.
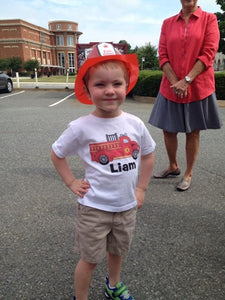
point(178, 251)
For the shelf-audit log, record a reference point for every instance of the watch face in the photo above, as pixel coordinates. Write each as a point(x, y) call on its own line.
point(188, 79)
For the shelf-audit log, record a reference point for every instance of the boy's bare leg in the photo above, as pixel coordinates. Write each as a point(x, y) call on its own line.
point(82, 279)
point(114, 268)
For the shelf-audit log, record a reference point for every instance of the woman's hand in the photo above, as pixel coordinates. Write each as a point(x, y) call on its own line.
point(180, 88)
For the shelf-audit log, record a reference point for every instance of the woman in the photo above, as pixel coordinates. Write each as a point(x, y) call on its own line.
point(186, 101)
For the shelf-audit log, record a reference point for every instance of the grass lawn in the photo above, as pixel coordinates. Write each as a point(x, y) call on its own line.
point(71, 79)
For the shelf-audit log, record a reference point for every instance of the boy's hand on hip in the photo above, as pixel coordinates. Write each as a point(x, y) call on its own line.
point(79, 186)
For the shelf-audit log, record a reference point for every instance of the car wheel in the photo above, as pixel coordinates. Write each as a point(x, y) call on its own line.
point(9, 86)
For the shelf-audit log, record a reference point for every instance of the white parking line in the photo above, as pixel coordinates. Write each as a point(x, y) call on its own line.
point(10, 95)
point(61, 100)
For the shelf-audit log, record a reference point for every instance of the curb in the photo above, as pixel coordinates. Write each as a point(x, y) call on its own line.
point(143, 99)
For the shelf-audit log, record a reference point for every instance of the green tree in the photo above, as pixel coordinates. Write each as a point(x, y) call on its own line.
point(147, 57)
point(128, 45)
point(31, 64)
point(135, 49)
point(221, 3)
point(15, 63)
point(221, 22)
point(4, 64)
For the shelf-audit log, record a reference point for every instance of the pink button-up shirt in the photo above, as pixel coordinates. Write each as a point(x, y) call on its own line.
point(182, 46)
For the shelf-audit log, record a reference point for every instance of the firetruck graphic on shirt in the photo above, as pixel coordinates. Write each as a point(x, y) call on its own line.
point(114, 148)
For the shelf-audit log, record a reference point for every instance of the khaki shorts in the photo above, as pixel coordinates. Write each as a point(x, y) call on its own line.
point(98, 232)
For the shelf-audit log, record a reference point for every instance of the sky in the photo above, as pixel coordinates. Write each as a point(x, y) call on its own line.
point(136, 21)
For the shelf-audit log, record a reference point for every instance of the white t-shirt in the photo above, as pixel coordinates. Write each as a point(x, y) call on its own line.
point(111, 150)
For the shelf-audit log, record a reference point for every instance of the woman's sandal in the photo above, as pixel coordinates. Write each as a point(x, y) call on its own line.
point(184, 184)
point(166, 173)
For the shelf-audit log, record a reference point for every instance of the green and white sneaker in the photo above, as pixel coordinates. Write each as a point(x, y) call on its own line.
point(120, 292)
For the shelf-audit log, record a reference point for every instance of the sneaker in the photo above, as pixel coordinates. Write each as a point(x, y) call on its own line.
point(120, 292)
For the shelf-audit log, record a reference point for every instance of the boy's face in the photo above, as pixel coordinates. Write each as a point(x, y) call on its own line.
point(107, 89)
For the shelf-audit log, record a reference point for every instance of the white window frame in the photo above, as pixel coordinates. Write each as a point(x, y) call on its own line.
point(61, 59)
point(71, 60)
point(70, 40)
point(59, 40)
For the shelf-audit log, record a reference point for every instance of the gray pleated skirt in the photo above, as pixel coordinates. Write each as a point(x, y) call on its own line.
point(185, 117)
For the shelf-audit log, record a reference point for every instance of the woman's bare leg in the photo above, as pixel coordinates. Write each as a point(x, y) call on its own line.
point(171, 143)
point(192, 148)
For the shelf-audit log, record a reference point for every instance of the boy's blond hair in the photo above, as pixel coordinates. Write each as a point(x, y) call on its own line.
point(109, 64)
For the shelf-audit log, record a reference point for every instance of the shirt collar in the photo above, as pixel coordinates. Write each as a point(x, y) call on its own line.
point(197, 13)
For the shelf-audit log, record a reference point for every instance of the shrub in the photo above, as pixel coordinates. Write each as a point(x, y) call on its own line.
point(220, 85)
point(31, 64)
point(24, 74)
point(149, 82)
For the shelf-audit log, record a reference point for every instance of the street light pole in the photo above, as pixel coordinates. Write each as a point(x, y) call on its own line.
point(36, 79)
point(142, 62)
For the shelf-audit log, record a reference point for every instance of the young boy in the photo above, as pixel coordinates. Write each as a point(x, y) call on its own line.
point(113, 145)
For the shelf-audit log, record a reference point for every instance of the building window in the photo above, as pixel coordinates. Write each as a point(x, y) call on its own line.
point(59, 40)
point(61, 59)
point(70, 40)
point(50, 27)
point(48, 55)
point(33, 54)
point(44, 57)
point(58, 26)
point(42, 37)
point(71, 62)
point(69, 26)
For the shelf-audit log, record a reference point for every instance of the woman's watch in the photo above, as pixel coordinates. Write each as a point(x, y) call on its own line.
point(187, 79)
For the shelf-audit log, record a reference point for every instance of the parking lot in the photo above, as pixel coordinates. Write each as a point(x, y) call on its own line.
point(178, 251)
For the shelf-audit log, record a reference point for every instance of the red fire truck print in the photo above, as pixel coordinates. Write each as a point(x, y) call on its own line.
point(114, 148)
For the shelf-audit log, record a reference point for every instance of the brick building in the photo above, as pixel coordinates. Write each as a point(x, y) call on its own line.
point(54, 48)
point(219, 64)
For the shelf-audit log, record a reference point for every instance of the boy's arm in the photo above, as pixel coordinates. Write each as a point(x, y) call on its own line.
point(78, 186)
point(147, 163)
